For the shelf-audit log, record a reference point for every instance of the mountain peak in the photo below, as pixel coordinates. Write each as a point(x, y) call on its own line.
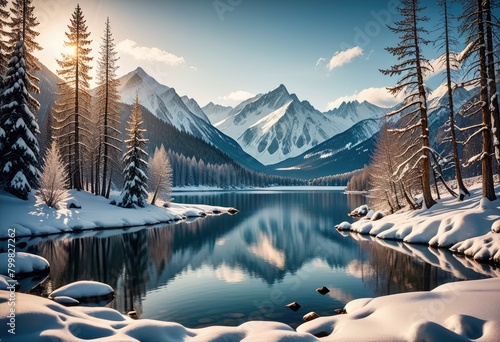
point(140, 71)
point(280, 89)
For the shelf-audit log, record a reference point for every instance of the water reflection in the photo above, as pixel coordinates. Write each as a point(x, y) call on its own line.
point(229, 269)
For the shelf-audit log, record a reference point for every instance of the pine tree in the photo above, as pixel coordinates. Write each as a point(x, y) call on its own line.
point(108, 109)
point(474, 27)
point(492, 84)
point(134, 191)
point(19, 164)
point(4, 47)
point(451, 61)
point(54, 179)
point(160, 174)
point(71, 112)
point(22, 27)
point(411, 68)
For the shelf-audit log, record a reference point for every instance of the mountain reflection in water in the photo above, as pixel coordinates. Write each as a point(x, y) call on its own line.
point(227, 269)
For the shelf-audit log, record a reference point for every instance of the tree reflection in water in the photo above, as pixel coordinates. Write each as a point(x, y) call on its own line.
point(282, 241)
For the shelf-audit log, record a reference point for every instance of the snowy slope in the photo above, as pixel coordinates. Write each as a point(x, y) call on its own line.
point(344, 152)
point(168, 106)
point(277, 125)
point(193, 106)
point(352, 112)
point(216, 112)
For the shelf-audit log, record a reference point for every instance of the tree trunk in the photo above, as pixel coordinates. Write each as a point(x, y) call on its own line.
point(456, 160)
point(486, 162)
point(492, 86)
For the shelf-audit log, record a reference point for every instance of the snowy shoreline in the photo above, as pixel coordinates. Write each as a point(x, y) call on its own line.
point(32, 218)
point(469, 227)
point(458, 311)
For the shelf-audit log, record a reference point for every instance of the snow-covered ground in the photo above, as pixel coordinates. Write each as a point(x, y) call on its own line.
point(464, 227)
point(460, 311)
point(33, 218)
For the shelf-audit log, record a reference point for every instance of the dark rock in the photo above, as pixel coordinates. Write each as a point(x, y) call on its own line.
point(310, 316)
point(340, 311)
point(323, 290)
point(133, 314)
point(232, 211)
point(294, 306)
point(73, 204)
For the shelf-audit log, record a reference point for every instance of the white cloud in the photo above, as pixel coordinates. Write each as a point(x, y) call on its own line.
point(378, 96)
point(320, 61)
point(343, 57)
point(237, 96)
point(150, 54)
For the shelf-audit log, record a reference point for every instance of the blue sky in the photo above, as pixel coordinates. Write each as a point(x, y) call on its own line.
point(222, 51)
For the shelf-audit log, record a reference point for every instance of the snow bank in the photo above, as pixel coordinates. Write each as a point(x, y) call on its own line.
point(449, 223)
point(458, 311)
point(33, 218)
point(23, 264)
point(83, 289)
point(455, 311)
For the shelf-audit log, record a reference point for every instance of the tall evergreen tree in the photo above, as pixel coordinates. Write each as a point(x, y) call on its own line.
point(4, 47)
point(23, 27)
point(411, 68)
point(473, 25)
point(450, 61)
point(19, 164)
point(135, 187)
point(71, 112)
point(491, 23)
point(108, 109)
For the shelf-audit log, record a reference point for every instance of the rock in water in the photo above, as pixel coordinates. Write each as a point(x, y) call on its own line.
point(323, 290)
point(294, 306)
point(310, 316)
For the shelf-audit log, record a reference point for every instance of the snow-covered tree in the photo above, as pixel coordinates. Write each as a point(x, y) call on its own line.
point(19, 162)
point(491, 23)
point(4, 47)
point(160, 175)
point(108, 110)
point(473, 26)
point(135, 189)
point(23, 25)
point(54, 179)
point(450, 61)
point(411, 68)
point(71, 112)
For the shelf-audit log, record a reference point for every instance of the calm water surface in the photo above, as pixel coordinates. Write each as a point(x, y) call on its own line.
point(226, 270)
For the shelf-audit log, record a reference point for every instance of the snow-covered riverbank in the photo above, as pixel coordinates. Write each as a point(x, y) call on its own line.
point(460, 311)
point(463, 227)
point(34, 218)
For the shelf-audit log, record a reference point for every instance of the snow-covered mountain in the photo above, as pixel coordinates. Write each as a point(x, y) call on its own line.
point(277, 125)
point(184, 114)
point(344, 152)
point(216, 112)
point(193, 106)
point(352, 112)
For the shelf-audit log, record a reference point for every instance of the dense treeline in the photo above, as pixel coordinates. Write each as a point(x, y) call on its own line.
point(405, 166)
